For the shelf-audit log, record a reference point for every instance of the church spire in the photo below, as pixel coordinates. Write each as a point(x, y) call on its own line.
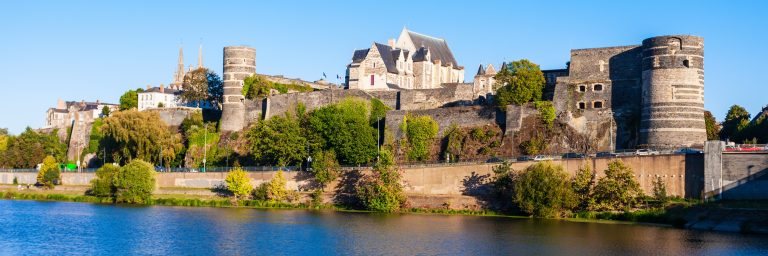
point(178, 76)
point(200, 57)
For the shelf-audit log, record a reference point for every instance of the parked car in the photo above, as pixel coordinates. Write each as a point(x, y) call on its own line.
point(646, 152)
point(688, 151)
point(573, 155)
point(606, 154)
point(732, 149)
point(524, 158)
point(750, 148)
point(494, 160)
point(542, 158)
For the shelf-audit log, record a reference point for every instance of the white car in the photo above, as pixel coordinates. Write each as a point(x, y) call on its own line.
point(646, 152)
point(542, 158)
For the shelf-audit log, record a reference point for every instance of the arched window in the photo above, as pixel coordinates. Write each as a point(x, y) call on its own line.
point(597, 104)
point(597, 87)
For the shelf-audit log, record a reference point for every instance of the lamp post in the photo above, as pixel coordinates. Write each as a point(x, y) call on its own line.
point(205, 145)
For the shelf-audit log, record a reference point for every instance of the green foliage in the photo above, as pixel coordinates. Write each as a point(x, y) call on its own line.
point(202, 143)
point(618, 189)
point(533, 146)
point(713, 128)
point(420, 132)
point(521, 83)
point(135, 182)
point(546, 112)
point(275, 190)
point(104, 183)
point(130, 99)
point(479, 135)
point(381, 190)
point(660, 190)
point(95, 137)
point(30, 148)
point(15, 181)
point(454, 142)
point(735, 121)
point(278, 141)
point(239, 183)
point(544, 190)
point(583, 184)
point(378, 111)
point(49, 173)
point(504, 180)
point(105, 111)
point(131, 134)
point(257, 86)
point(325, 168)
point(202, 85)
point(345, 128)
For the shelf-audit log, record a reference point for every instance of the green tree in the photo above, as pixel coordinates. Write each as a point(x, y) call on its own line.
point(195, 86)
point(278, 141)
point(660, 190)
point(104, 183)
point(325, 168)
point(49, 173)
point(30, 148)
point(420, 132)
point(454, 142)
point(135, 183)
point(523, 82)
point(713, 128)
point(546, 112)
point(130, 99)
point(4, 137)
point(382, 190)
point(105, 111)
point(239, 183)
point(131, 134)
point(215, 89)
point(583, 184)
point(544, 190)
point(274, 190)
point(504, 180)
point(618, 189)
point(345, 128)
point(736, 120)
point(378, 111)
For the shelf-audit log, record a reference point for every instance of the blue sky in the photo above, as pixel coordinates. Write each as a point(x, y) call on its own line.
point(88, 50)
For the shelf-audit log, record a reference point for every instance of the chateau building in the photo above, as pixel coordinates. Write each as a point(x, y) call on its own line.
point(65, 113)
point(414, 61)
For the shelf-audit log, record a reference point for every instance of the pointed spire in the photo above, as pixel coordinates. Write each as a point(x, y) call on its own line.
point(503, 66)
point(480, 70)
point(200, 57)
point(178, 76)
point(489, 70)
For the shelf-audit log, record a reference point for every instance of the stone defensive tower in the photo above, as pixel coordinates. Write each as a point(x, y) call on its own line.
point(672, 92)
point(239, 62)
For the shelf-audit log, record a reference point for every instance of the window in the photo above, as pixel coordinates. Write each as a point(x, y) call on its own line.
point(582, 105)
point(597, 87)
point(597, 104)
point(372, 80)
point(687, 63)
point(582, 88)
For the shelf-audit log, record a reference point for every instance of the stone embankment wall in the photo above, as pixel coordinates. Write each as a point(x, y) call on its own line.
point(174, 116)
point(682, 175)
point(464, 117)
point(735, 175)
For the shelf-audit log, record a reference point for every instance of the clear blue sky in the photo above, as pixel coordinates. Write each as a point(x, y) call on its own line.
point(89, 50)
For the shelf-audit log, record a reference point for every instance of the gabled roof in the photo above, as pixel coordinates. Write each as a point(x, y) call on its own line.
point(490, 70)
point(386, 55)
point(437, 46)
point(359, 55)
point(420, 54)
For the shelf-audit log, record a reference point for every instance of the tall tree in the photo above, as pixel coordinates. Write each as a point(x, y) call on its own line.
point(278, 141)
point(31, 147)
point(202, 85)
point(523, 82)
point(713, 128)
point(215, 89)
point(132, 135)
point(736, 120)
point(130, 99)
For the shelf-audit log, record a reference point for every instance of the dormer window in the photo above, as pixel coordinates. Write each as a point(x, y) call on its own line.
point(597, 87)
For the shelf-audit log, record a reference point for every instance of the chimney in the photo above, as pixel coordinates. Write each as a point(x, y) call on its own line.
point(148, 87)
point(391, 42)
point(97, 102)
point(162, 88)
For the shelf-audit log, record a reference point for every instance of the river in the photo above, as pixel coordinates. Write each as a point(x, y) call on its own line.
point(56, 228)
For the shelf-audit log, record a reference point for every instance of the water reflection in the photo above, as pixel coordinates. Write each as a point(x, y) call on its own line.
point(28, 227)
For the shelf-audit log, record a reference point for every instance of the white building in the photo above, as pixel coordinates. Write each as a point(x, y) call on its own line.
point(159, 97)
point(65, 113)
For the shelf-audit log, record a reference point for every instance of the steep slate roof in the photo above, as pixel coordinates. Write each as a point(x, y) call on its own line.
point(165, 90)
point(420, 54)
point(480, 70)
point(396, 54)
point(386, 54)
point(438, 47)
point(359, 55)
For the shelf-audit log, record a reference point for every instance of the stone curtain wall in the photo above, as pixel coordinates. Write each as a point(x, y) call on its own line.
point(742, 176)
point(174, 116)
point(463, 117)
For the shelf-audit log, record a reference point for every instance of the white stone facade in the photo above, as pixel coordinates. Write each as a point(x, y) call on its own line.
point(65, 113)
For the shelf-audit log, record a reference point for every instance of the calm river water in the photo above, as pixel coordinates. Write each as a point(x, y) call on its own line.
point(56, 228)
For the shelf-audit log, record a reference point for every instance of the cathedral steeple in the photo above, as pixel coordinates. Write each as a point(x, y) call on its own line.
point(200, 57)
point(178, 76)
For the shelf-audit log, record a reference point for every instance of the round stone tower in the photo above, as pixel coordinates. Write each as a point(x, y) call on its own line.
point(239, 62)
point(673, 92)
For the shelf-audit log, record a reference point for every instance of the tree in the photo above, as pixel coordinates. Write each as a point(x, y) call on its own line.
point(202, 85)
point(523, 82)
point(130, 99)
point(105, 111)
point(278, 141)
point(49, 174)
point(104, 183)
point(382, 190)
point(660, 190)
point(713, 128)
point(325, 168)
point(582, 185)
point(378, 111)
point(135, 183)
point(504, 180)
point(239, 183)
point(215, 89)
point(420, 132)
point(544, 190)
point(345, 128)
point(736, 120)
point(30, 148)
point(274, 190)
point(131, 134)
point(618, 189)
point(546, 112)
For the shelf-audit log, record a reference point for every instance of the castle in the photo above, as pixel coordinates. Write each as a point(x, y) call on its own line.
point(648, 95)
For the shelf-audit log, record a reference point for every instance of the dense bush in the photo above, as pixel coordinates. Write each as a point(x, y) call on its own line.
point(49, 174)
point(278, 141)
point(454, 143)
point(381, 190)
point(534, 146)
point(135, 182)
point(618, 189)
point(275, 190)
point(325, 168)
point(520, 83)
point(238, 183)
point(544, 190)
point(104, 183)
point(420, 132)
point(345, 127)
point(546, 112)
point(504, 180)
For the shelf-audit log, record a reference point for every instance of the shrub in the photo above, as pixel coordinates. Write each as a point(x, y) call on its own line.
point(454, 142)
point(49, 173)
point(504, 179)
point(345, 127)
point(278, 141)
point(546, 112)
point(275, 190)
point(660, 190)
point(135, 183)
point(420, 132)
point(325, 168)
point(533, 146)
point(15, 181)
point(104, 183)
point(381, 190)
point(543, 190)
point(238, 183)
point(618, 189)
point(478, 135)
